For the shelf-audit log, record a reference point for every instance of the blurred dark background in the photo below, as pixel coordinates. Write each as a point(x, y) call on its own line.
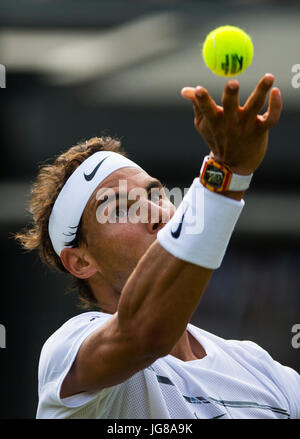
point(77, 68)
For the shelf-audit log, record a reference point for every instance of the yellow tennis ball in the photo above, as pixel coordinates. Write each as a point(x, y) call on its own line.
point(227, 51)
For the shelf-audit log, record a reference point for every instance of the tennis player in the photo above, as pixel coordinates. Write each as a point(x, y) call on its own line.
point(137, 355)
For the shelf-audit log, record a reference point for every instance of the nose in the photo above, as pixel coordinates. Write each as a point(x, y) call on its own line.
point(158, 216)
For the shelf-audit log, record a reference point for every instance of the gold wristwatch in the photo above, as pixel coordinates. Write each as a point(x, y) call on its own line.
point(219, 177)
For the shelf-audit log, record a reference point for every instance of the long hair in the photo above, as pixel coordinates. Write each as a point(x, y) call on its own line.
point(44, 191)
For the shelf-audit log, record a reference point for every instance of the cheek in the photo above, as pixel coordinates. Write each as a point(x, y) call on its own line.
point(128, 238)
point(118, 242)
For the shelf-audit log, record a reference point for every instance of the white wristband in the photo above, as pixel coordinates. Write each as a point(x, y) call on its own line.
point(201, 227)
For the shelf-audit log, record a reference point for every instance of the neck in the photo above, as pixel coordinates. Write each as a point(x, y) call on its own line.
point(188, 348)
point(107, 297)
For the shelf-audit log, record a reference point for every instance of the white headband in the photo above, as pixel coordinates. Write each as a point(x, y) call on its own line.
point(72, 199)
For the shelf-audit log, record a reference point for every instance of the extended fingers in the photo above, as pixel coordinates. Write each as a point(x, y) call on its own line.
point(198, 115)
point(204, 105)
point(230, 101)
point(189, 93)
point(272, 115)
point(258, 98)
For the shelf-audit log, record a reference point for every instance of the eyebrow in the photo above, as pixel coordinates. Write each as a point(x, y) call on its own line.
point(154, 183)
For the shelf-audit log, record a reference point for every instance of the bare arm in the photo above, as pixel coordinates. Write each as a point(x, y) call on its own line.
point(155, 306)
point(163, 292)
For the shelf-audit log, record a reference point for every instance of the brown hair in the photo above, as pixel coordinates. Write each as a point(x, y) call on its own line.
point(50, 180)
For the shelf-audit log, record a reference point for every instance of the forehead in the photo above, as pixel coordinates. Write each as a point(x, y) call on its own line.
point(133, 176)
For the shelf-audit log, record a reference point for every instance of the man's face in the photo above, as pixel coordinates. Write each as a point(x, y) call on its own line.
point(121, 221)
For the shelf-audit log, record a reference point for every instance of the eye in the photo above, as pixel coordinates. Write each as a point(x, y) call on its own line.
point(155, 196)
point(119, 213)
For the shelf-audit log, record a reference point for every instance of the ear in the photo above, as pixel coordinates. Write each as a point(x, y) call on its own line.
point(76, 262)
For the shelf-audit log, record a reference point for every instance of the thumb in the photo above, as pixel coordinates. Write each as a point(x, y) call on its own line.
point(188, 93)
point(198, 116)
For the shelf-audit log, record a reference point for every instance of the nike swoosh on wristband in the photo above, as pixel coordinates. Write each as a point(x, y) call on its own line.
point(177, 232)
point(90, 176)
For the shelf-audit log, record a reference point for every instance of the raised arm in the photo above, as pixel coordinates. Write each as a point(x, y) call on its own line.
point(163, 291)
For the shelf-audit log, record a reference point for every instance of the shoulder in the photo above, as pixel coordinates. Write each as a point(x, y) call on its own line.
point(259, 362)
point(245, 352)
point(238, 347)
point(74, 327)
point(57, 356)
point(60, 349)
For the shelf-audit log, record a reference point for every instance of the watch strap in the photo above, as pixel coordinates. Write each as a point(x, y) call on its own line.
point(240, 182)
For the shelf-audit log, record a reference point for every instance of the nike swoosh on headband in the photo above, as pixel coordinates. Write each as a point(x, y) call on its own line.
point(90, 176)
point(177, 232)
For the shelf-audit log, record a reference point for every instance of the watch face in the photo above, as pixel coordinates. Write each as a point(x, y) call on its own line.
point(214, 176)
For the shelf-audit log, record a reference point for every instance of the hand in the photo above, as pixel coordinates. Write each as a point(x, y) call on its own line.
point(237, 136)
